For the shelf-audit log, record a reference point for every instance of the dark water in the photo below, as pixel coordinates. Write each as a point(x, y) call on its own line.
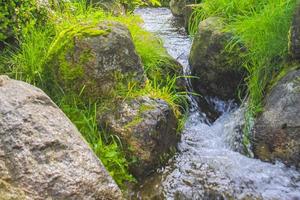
point(207, 165)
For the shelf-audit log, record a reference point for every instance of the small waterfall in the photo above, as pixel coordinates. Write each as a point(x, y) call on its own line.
point(208, 164)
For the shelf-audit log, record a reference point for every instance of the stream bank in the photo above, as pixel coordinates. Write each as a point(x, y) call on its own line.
point(207, 165)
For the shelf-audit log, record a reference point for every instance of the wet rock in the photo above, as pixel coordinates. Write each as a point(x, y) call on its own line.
point(147, 127)
point(234, 130)
point(177, 6)
point(295, 35)
point(219, 70)
point(277, 130)
point(99, 61)
point(42, 154)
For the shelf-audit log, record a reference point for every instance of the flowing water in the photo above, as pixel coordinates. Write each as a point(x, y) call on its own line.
point(207, 165)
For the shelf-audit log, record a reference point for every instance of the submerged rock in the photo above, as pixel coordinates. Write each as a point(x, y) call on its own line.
point(99, 61)
point(277, 130)
point(147, 128)
point(219, 70)
point(42, 154)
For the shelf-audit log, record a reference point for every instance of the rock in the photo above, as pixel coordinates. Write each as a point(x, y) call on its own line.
point(233, 130)
point(99, 62)
point(219, 70)
point(295, 35)
point(177, 6)
point(42, 154)
point(187, 14)
point(9, 192)
point(147, 127)
point(111, 6)
point(276, 132)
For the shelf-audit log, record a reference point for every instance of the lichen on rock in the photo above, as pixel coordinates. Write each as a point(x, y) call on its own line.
point(147, 129)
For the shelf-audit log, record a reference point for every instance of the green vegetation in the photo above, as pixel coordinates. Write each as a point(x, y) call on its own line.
point(262, 26)
point(38, 42)
point(15, 14)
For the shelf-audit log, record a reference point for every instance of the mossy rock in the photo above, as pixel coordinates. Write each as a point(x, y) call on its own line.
point(177, 6)
point(94, 63)
point(112, 6)
point(147, 128)
point(219, 69)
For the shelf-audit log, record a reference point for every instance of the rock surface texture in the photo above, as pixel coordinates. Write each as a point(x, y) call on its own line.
point(100, 62)
point(295, 35)
point(277, 131)
point(42, 154)
point(147, 127)
point(219, 70)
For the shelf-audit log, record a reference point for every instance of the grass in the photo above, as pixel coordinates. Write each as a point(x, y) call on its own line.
point(31, 62)
point(262, 26)
point(27, 62)
point(106, 146)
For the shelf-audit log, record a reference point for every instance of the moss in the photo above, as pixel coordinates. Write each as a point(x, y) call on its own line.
point(65, 69)
point(137, 120)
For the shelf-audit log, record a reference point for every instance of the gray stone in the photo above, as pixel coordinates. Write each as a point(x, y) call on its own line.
point(277, 130)
point(147, 128)
point(219, 70)
point(42, 154)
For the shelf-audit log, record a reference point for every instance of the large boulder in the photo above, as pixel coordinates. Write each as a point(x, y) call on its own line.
point(147, 128)
point(276, 132)
point(219, 69)
point(42, 154)
point(295, 35)
point(99, 61)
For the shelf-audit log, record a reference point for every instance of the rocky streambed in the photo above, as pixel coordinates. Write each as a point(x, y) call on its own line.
point(43, 155)
point(208, 164)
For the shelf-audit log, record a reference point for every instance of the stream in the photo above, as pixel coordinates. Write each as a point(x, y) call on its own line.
point(208, 164)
